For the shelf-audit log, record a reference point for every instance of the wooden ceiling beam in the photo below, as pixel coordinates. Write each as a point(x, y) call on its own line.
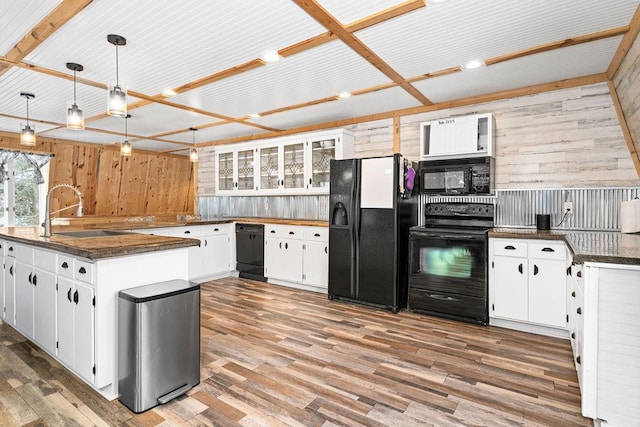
point(613, 32)
point(317, 12)
point(625, 44)
point(361, 24)
point(495, 96)
point(59, 16)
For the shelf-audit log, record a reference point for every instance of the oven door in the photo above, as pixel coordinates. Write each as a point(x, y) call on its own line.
point(448, 275)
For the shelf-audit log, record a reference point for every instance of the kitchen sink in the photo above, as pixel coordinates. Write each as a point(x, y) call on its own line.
point(92, 233)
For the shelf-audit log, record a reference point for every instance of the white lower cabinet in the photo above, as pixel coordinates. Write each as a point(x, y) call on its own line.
point(527, 283)
point(24, 298)
point(75, 306)
point(44, 303)
point(9, 312)
point(297, 256)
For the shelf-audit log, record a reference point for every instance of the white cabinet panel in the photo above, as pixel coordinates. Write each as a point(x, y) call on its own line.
point(316, 264)
point(24, 298)
point(44, 302)
point(9, 291)
point(547, 296)
point(510, 288)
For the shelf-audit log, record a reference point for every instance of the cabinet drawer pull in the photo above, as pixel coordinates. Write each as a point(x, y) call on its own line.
point(65, 265)
point(216, 229)
point(316, 235)
point(326, 251)
point(520, 268)
point(535, 270)
point(11, 270)
point(568, 271)
point(280, 245)
point(82, 270)
point(10, 248)
point(291, 233)
point(273, 232)
point(573, 294)
point(573, 335)
point(286, 246)
point(579, 274)
point(547, 250)
point(69, 294)
point(75, 297)
point(187, 232)
point(579, 310)
point(510, 248)
point(578, 360)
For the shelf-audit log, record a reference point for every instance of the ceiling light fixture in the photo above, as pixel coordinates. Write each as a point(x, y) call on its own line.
point(193, 152)
point(473, 64)
point(343, 95)
point(168, 92)
point(125, 146)
point(27, 133)
point(271, 56)
point(117, 100)
point(75, 120)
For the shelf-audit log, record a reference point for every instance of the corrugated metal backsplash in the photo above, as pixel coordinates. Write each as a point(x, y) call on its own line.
point(593, 208)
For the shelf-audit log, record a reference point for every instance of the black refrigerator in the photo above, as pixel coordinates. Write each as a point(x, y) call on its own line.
point(371, 209)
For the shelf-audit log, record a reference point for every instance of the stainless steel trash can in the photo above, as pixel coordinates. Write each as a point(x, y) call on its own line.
point(158, 343)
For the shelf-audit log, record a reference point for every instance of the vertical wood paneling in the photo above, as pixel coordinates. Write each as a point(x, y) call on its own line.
point(109, 177)
point(84, 176)
point(133, 188)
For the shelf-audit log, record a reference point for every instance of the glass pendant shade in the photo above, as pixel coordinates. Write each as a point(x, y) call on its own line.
point(75, 120)
point(28, 136)
point(193, 155)
point(125, 148)
point(117, 101)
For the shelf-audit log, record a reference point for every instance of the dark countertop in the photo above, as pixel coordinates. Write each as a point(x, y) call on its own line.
point(96, 247)
point(610, 247)
point(132, 225)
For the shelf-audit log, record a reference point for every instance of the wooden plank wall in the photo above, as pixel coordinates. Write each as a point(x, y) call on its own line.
point(146, 183)
point(627, 83)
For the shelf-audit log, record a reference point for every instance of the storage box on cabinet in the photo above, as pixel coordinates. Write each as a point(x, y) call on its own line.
point(527, 282)
point(453, 137)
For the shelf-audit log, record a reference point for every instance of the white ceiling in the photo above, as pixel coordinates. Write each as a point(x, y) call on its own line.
point(170, 44)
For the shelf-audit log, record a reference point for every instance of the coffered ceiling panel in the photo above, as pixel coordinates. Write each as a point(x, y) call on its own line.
point(315, 74)
point(370, 103)
point(85, 135)
point(554, 65)
point(450, 34)
point(215, 133)
point(171, 43)
point(8, 124)
point(15, 15)
point(348, 11)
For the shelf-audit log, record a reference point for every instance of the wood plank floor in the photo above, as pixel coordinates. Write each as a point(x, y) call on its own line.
point(278, 356)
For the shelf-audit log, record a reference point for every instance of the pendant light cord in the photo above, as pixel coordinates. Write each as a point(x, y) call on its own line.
point(74, 87)
point(27, 111)
point(117, 79)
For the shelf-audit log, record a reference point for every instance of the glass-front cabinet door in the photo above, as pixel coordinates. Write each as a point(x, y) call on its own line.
point(321, 153)
point(269, 169)
point(225, 171)
point(293, 167)
point(246, 170)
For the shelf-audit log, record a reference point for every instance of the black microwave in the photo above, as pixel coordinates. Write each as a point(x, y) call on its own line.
point(457, 177)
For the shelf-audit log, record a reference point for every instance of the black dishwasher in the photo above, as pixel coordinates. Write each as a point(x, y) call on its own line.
point(250, 251)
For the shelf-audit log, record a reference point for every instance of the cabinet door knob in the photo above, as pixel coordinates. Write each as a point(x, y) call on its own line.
point(573, 335)
point(579, 274)
point(579, 310)
point(547, 250)
point(69, 294)
point(569, 271)
point(510, 248)
point(573, 294)
point(75, 297)
point(326, 251)
point(11, 270)
point(520, 268)
point(10, 248)
point(578, 360)
point(286, 246)
point(65, 265)
point(82, 270)
point(35, 280)
point(30, 274)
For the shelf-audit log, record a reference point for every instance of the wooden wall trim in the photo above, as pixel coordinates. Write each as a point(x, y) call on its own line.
point(396, 135)
point(625, 128)
point(625, 45)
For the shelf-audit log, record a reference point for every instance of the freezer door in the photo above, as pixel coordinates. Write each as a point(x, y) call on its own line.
point(377, 178)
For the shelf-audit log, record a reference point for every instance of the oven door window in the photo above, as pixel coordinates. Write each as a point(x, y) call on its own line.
point(451, 263)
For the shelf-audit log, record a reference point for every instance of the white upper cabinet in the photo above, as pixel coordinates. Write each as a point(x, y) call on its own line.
point(455, 137)
point(296, 164)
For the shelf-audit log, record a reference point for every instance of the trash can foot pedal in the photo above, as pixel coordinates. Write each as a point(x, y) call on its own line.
point(173, 394)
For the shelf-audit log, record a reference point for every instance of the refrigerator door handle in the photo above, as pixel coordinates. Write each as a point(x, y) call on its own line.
point(355, 229)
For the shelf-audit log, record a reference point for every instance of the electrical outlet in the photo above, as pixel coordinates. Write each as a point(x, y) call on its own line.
point(568, 207)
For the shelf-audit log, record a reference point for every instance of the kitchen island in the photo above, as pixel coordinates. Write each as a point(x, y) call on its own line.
point(603, 323)
point(61, 291)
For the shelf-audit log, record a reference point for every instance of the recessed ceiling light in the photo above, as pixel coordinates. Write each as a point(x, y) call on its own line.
point(473, 64)
point(343, 95)
point(271, 56)
point(168, 92)
point(255, 115)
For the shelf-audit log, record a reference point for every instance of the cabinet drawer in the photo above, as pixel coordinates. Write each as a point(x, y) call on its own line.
point(216, 229)
point(45, 260)
point(547, 250)
point(23, 253)
point(320, 234)
point(84, 271)
point(65, 266)
point(3, 248)
point(510, 248)
point(284, 231)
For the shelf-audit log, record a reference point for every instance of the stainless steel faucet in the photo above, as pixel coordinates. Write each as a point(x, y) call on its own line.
point(47, 213)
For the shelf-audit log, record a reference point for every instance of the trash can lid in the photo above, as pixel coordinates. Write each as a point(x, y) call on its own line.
point(158, 290)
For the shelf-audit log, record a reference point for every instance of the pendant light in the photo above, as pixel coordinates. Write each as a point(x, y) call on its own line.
point(75, 120)
point(125, 146)
point(117, 98)
point(193, 152)
point(27, 133)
